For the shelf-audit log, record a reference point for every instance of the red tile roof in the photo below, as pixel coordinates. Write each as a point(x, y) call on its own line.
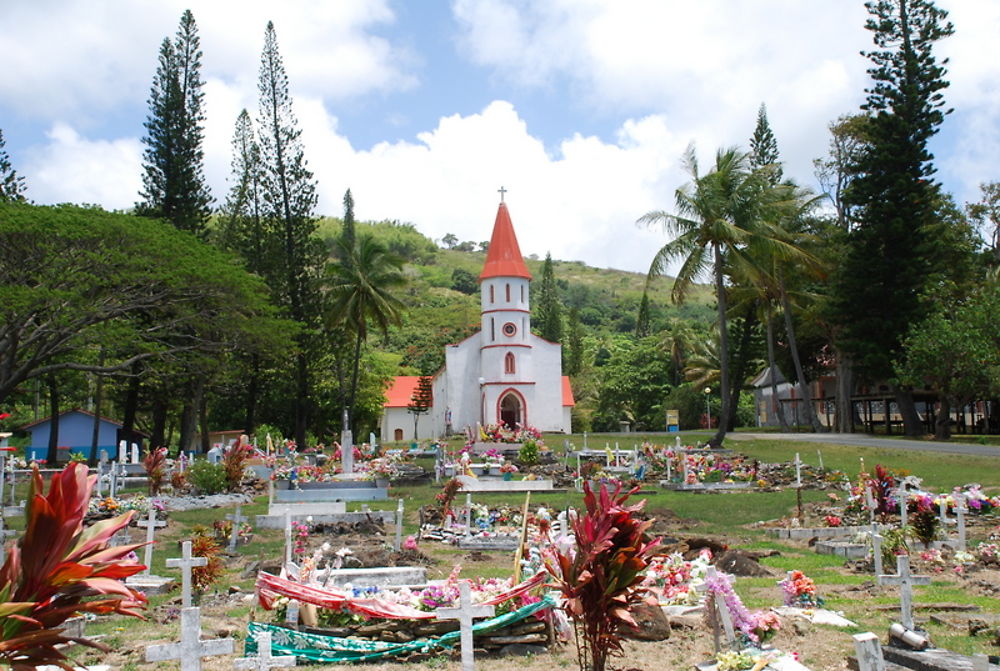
point(401, 391)
point(567, 392)
point(503, 258)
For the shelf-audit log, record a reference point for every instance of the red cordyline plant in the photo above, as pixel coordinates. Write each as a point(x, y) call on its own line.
point(599, 577)
point(155, 463)
point(58, 568)
point(234, 462)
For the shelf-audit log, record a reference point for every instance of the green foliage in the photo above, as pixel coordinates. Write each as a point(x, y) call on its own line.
point(528, 454)
point(764, 148)
point(632, 384)
point(155, 465)
point(574, 346)
point(464, 281)
point(234, 463)
point(206, 477)
point(174, 186)
point(547, 317)
point(11, 184)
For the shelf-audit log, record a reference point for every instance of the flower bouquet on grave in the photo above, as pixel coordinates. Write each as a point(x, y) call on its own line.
point(753, 627)
point(800, 591)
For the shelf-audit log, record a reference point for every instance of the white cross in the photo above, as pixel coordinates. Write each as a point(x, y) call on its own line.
point(869, 651)
point(906, 581)
point(464, 614)
point(264, 660)
point(902, 495)
point(960, 516)
point(288, 537)
point(870, 504)
point(186, 563)
point(501, 191)
point(235, 532)
point(819, 456)
point(270, 492)
point(191, 648)
point(798, 471)
point(722, 612)
point(399, 525)
point(876, 548)
point(151, 524)
point(468, 514)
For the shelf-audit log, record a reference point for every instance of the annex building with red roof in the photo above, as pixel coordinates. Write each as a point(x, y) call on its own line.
point(502, 373)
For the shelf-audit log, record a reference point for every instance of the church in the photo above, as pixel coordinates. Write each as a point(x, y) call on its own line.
point(502, 373)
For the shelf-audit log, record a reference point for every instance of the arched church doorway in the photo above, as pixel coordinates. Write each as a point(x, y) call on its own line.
point(397, 434)
point(511, 409)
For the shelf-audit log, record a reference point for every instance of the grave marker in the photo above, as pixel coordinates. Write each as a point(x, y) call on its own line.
point(191, 648)
point(819, 456)
point(186, 563)
point(901, 495)
point(906, 581)
point(292, 613)
point(234, 533)
point(869, 651)
point(876, 549)
point(113, 485)
point(798, 471)
point(722, 615)
point(943, 511)
point(288, 537)
point(870, 504)
point(347, 451)
point(151, 524)
point(980, 662)
point(960, 517)
point(468, 514)
point(464, 614)
point(399, 525)
point(264, 660)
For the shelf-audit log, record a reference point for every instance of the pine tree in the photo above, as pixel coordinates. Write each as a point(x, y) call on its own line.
point(289, 197)
point(892, 249)
point(421, 400)
point(574, 357)
point(11, 184)
point(764, 148)
point(642, 319)
point(348, 234)
point(243, 226)
point(173, 179)
point(548, 319)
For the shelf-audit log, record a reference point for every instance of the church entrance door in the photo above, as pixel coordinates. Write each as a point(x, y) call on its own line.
point(511, 411)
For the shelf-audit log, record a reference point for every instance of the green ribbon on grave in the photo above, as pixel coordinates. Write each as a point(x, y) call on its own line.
point(320, 648)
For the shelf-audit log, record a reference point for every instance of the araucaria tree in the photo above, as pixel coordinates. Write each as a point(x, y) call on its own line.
point(548, 314)
point(896, 247)
point(289, 198)
point(421, 400)
point(11, 184)
point(173, 178)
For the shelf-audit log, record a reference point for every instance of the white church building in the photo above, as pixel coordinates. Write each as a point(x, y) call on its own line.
point(502, 373)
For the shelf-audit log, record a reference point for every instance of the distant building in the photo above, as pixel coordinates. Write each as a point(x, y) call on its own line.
point(76, 431)
point(503, 372)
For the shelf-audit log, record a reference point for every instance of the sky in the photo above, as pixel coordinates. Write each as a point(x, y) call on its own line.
point(581, 109)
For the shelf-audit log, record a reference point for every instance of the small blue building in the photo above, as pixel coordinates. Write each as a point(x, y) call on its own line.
point(76, 431)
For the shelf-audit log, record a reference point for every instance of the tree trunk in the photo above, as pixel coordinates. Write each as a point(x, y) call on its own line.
point(131, 403)
point(942, 424)
point(912, 425)
point(188, 417)
point(799, 374)
point(349, 410)
point(95, 435)
point(203, 421)
point(773, 370)
point(158, 438)
point(52, 455)
point(720, 294)
point(742, 359)
point(845, 389)
point(302, 400)
point(253, 391)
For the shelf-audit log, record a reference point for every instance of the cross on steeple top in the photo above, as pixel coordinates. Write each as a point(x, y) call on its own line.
point(501, 191)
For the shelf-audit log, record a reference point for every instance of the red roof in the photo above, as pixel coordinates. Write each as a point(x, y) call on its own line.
point(400, 393)
point(567, 392)
point(503, 258)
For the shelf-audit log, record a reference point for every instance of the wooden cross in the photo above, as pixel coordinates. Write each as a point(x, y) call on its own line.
point(234, 534)
point(960, 517)
point(464, 614)
point(264, 660)
point(191, 648)
point(501, 191)
point(151, 524)
point(906, 581)
point(186, 563)
point(876, 548)
point(722, 614)
point(869, 652)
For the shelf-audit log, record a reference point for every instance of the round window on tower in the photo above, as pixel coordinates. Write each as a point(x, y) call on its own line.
point(509, 329)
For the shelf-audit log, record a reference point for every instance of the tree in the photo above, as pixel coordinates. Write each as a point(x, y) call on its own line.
point(174, 186)
point(764, 148)
point(11, 184)
point(548, 314)
point(642, 318)
point(836, 172)
point(143, 291)
point(289, 195)
point(450, 240)
point(360, 295)
point(243, 227)
point(347, 231)
point(421, 401)
point(893, 250)
point(986, 214)
point(464, 281)
point(719, 216)
point(574, 355)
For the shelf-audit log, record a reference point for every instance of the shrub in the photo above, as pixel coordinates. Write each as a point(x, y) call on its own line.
point(599, 578)
point(206, 477)
point(155, 464)
point(234, 463)
point(57, 566)
point(528, 454)
point(203, 577)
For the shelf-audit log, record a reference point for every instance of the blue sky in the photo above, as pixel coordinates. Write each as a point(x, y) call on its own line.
point(581, 108)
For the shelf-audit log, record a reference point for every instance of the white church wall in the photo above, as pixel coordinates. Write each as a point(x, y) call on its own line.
point(462, 362)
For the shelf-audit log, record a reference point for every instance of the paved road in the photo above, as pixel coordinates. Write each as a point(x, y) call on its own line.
point(862, 440)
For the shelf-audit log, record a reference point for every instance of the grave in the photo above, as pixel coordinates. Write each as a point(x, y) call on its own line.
point(906, 581)
point(185, 564)
point(845, 549)
point(489, 484)
point(488, 543)
point(234, 532)
point(382, 576)
point(264, 660)
point(329, 512)
point(336, 490)
point(192, 648)
point(146, 581)
point(807, 533)
point(705, 486)
point(465, 613)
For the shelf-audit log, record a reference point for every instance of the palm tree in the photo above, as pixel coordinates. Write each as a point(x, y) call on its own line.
point(719, 216)
point(361, 295)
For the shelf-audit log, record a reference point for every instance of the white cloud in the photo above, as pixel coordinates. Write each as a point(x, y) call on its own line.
point(74, 169)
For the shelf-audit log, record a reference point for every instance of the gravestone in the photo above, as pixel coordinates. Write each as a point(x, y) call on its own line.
point(147, 581)
point(465, 613)
point(191, 648)
point(868, 649)
point(347, 451)
point(870, 504)
point(234, 533)
point(901, 496)
point(151, 524)
point(906, 581)
point(798, 471)
point(186, 563)
point(960, 511)
point(468, 514)
point(264, 660)
point(399, 526)
point(877, 539)
point(292, 613)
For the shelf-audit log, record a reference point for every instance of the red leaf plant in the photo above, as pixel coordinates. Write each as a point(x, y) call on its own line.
point(599, 577)
point(56, 568)
point(155, 463)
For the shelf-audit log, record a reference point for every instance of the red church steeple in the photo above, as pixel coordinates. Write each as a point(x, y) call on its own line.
point(503, 258)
